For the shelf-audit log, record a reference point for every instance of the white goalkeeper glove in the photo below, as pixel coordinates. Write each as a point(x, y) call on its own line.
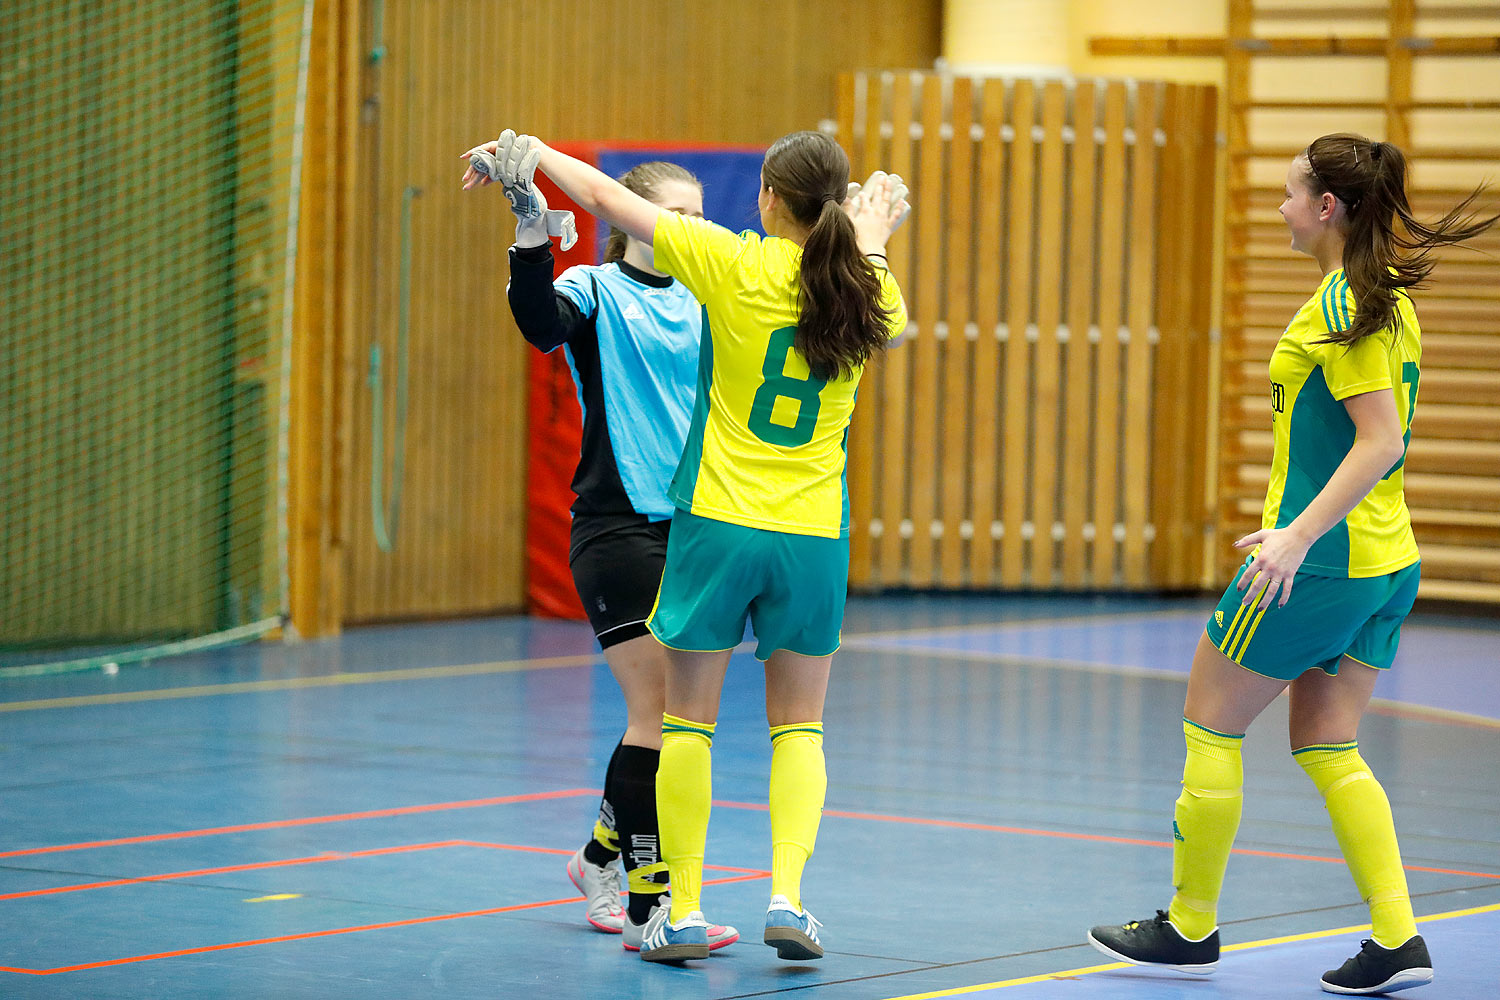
point(513, 167)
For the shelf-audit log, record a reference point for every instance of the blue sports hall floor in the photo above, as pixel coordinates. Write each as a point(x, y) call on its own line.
point(389, 813)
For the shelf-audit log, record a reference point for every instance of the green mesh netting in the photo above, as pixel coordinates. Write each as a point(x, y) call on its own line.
point(146, 173)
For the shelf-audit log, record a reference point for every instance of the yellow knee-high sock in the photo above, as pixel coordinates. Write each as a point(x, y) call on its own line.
point(799, 780)
point(1204, 825)
point(1361, 816)
point(684, 791)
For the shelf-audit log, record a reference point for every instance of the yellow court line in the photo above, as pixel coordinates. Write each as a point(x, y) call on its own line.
point(474, 669)
point(857, 641)
point(1073, 973)
point(300, 683)
point(1437, 714)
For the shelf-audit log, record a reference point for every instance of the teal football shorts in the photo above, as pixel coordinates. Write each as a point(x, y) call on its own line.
point(791, 587)
point(1326, 619)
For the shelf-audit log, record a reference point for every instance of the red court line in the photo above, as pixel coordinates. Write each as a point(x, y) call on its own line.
point(281, 824)
point(1098, 838)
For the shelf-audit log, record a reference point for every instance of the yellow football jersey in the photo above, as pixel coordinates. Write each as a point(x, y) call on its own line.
point(1313, 431)
point(766, 446)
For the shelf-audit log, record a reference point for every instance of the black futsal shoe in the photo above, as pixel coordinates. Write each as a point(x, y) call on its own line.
point(1382, 970)
point(1157, 942)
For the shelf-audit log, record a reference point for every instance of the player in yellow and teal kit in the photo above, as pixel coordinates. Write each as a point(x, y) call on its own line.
point(1358, 579)
point(761, 527)
point(1333, 571)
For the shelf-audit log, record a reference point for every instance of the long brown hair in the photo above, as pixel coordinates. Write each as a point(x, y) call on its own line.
point(645, 179)
point(1385, 248)
point(841, 321)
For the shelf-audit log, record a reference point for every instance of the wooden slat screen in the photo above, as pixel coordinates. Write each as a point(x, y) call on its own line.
point(1045, 423)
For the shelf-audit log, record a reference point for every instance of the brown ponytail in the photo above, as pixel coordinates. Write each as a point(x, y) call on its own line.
point(645, 179)
point(841, 322)
point(1385, 248)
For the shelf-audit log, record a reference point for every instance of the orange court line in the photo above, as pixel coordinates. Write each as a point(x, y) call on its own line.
point(753, 806)
point(292, 937)
point(251, 866)
point(1095, 837)
point(758, 872)
point(205, 949)
point(745, 874)
point(305, 821)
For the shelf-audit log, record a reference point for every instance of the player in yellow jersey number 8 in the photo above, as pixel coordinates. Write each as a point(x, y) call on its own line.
point(760, 529)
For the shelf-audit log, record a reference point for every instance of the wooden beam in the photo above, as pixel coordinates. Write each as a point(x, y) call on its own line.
point(1398, 77)
point(1206, 46)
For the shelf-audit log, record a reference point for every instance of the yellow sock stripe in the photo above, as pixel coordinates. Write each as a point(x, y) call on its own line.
point(1250, 632)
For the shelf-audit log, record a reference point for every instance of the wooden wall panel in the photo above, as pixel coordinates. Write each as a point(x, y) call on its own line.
point(1141, 330)
point(957, 529)
point(1047, 448)
point(1078, 350)
point(1020, 194)
point(452, 73)
point(894, 368)
point(1084, 295)
point(984, 476)
point(926, 402)
point(1108, 436)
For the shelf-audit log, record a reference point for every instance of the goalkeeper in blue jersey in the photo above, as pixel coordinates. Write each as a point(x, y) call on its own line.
point(1317, 606)
point(630, 335)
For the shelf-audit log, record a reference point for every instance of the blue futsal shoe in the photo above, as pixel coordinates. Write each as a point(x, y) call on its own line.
point(792, 932)
point(664, 941)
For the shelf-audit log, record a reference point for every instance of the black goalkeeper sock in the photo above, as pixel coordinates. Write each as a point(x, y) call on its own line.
point(633, 795)
point(604, 847)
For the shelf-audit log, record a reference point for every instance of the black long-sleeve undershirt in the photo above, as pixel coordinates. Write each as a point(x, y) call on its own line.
point(547, 319)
